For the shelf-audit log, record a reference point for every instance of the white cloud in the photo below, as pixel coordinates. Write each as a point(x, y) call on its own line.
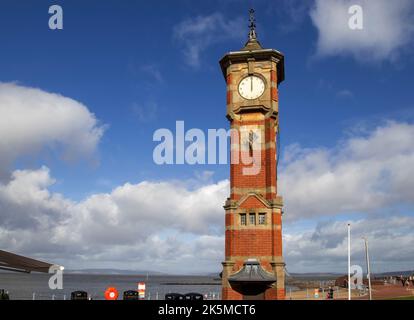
point(324, 248)
point(26, 203)
point(388, 28)
point(32, 119)
point(134, 227)
point(170, 225)
point(137, 224)
point(196, 35)
point(361, 174)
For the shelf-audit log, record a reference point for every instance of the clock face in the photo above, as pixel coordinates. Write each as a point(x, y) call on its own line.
point(251, 87)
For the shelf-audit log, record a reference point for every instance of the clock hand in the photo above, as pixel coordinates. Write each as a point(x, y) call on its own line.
point(251, 84)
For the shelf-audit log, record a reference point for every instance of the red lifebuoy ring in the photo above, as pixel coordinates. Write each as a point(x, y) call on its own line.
point(111, 294)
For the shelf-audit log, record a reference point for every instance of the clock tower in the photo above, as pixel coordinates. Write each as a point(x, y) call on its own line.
point(254, 267)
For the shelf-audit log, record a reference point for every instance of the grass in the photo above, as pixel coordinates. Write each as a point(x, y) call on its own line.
point(403, 298)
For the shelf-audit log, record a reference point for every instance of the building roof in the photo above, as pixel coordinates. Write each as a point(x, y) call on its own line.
point(13, 262)
point(252, 272)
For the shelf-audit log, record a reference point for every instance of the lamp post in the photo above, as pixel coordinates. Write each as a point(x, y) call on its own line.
point(349, 261)
point(368, 267)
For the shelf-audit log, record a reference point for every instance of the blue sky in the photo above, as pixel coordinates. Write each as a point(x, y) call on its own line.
point(139, 66)
point(116, 56)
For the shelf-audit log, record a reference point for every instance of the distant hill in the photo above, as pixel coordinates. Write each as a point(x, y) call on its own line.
point(394, 273)
point(315, 274)
point(326, 275)
point(336, 275)
point(304, 276)
point(113, 272)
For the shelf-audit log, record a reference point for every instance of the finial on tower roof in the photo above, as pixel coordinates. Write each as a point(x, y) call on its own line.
point(252, 43)
point(252, 26)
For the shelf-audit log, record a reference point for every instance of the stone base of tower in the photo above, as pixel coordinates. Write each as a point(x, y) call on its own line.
point(230, 294)
point(275, 294)
point(270, 294)
point(237, 291)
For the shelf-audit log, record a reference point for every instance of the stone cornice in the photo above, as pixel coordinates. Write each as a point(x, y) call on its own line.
point(258, 55)
point(273, 203)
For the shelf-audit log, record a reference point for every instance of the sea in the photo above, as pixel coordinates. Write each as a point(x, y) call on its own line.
point(35, 286)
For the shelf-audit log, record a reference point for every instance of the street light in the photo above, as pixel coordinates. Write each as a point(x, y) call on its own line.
point(368, 267)
point(349, 261)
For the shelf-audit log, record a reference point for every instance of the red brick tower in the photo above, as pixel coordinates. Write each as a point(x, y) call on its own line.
point(254, 265)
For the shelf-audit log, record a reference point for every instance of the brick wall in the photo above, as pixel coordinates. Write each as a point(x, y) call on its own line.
point(263, 242)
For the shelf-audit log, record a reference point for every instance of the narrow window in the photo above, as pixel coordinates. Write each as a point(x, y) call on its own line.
point(262, 218)
point(243, 221)
point(252, 218)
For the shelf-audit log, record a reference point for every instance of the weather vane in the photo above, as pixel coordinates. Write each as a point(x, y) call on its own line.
point(252, 26)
